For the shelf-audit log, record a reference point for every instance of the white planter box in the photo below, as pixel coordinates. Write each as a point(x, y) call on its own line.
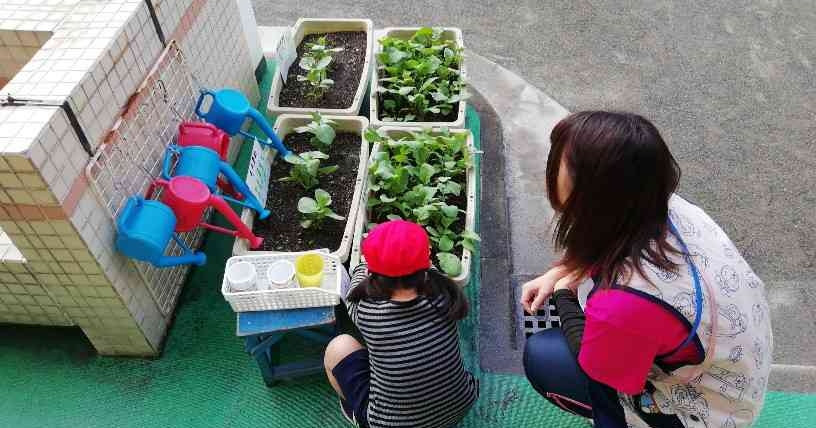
point(449, 33)
point(470, 213)
point(306, 26)
point(260, 168)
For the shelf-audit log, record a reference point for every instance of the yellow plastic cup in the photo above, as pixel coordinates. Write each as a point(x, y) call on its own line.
point(309, 270)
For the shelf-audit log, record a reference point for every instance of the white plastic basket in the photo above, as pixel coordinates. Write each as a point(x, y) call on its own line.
point(260, 168)
point(306, 26)
point(328, 294)
point(470, 213)
point(448, 33)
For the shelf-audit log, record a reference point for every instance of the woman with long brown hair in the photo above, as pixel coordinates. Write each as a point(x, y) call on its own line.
point(676, 330)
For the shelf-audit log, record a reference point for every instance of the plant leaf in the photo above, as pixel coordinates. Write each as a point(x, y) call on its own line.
point(426, 171)
point(393, 217)
point(327, 169)
point(371, 135)
point(470, 235)
point(450, 211)
point(445, 244)
point(322, 197)
point(305, 224)
point(307, 205)
point(323, 62)
point(325, 133)
point(335, 216)
point(449, 263)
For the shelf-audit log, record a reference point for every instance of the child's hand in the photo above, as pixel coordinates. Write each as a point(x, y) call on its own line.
point(534, 293)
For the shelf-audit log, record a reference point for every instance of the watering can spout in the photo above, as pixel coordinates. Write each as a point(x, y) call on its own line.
point(272, 137)
point(193, 258)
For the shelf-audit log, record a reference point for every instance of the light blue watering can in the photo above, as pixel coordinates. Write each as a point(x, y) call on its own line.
point(228, 111)
point(205, 165)
point(145, 227)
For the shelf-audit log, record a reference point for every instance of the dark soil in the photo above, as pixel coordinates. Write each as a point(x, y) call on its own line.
point(345, 69)
point(281, 230)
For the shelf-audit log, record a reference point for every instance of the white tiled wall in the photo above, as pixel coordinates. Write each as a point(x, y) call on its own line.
point(34, 15)
point(67, 271)
point(17, 47)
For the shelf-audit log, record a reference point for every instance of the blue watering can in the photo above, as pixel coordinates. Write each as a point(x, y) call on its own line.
point(145, 227)
point(229, 109)
point(205, 165)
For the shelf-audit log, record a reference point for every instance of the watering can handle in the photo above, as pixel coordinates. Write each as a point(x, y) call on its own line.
point(204, 93)
point(168, 157)
point(152, 187)
point(127, 210)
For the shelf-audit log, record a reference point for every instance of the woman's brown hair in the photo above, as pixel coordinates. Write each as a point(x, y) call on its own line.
point(622, 178)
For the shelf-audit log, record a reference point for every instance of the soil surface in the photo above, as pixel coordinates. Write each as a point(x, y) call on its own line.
point(345, 69)
point(281, 230)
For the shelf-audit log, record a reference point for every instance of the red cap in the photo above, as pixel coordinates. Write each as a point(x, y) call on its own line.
point(397, 248)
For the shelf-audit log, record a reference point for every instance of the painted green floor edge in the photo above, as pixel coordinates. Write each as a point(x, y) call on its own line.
point(50, 377)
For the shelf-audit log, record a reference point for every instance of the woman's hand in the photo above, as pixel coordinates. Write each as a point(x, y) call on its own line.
point(534, 293)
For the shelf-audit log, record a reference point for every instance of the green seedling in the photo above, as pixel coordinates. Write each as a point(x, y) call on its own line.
point(420, 178)
point(419, 76)
point(306, 169)
point(316, 64)
point(315, 211)
point(321, 129)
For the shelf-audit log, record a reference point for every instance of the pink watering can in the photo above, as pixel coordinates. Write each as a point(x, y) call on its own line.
point(188, 197)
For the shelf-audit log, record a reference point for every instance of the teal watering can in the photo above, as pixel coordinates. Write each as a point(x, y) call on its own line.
point(228, 111)
point(145, 227)
point(206, 165)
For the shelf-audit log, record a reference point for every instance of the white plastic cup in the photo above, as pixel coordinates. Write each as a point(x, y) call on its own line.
point(280, 274)
point(241, 276)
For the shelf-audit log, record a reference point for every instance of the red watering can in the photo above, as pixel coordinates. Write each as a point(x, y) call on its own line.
point(207, 135)
point(189, 198)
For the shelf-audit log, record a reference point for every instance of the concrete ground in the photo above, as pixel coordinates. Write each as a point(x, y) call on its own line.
point(731, 85)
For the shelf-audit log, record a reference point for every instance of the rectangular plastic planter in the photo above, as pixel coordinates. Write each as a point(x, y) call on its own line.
point(448, 33)
point(470, 213)
point(306, 26)
point(260, 168)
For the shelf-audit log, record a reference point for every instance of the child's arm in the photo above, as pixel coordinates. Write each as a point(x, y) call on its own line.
point(359, 274)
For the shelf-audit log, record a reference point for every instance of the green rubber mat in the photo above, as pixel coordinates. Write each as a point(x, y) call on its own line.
point(50, 377)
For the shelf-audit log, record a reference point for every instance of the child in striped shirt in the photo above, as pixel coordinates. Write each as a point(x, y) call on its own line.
point(410, 373)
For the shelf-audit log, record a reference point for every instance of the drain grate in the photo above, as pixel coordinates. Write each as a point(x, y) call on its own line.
point(545, 318)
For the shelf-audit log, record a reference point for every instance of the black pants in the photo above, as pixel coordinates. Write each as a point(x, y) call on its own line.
point(554, 373)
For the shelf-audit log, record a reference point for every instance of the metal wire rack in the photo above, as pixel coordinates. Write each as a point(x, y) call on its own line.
point(131, 157)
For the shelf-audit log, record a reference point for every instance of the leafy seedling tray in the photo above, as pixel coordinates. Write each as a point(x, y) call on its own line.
point(470, 213)
point(448, 33)
point(307, 26)
point(263, 160)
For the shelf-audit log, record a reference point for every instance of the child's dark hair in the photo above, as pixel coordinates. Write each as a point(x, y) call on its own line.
point(429, 283)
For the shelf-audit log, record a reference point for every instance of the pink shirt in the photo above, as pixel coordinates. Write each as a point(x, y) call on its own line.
point(625, 333)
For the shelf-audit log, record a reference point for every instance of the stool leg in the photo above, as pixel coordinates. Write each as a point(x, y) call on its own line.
point(265, 351)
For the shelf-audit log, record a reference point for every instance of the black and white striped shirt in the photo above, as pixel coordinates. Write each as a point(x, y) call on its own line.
point(417, 375)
